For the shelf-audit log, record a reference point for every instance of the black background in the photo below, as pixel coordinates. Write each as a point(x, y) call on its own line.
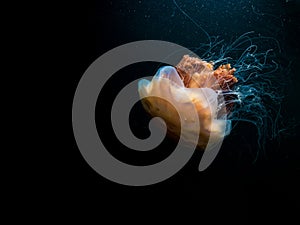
point(233, 184)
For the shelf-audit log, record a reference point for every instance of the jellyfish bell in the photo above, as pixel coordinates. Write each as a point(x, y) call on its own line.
point(192, 84)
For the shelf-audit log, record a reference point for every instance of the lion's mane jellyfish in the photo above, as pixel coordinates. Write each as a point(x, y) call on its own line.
point(191, 83)
point(242, 81)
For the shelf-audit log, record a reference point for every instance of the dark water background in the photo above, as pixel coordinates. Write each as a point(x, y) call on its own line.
point(233, 177)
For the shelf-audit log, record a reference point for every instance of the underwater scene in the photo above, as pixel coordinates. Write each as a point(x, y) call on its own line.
point(225, 78)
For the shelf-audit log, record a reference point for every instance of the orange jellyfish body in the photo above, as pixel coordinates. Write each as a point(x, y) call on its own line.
point(192, 83)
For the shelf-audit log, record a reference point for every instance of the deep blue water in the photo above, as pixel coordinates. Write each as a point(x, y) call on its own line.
point(118, 22)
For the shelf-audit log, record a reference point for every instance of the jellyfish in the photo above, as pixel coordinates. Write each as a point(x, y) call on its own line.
point(191, 83)
point(229, 83)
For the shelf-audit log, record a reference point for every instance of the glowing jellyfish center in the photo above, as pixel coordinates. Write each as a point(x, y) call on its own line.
point(192, 83)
